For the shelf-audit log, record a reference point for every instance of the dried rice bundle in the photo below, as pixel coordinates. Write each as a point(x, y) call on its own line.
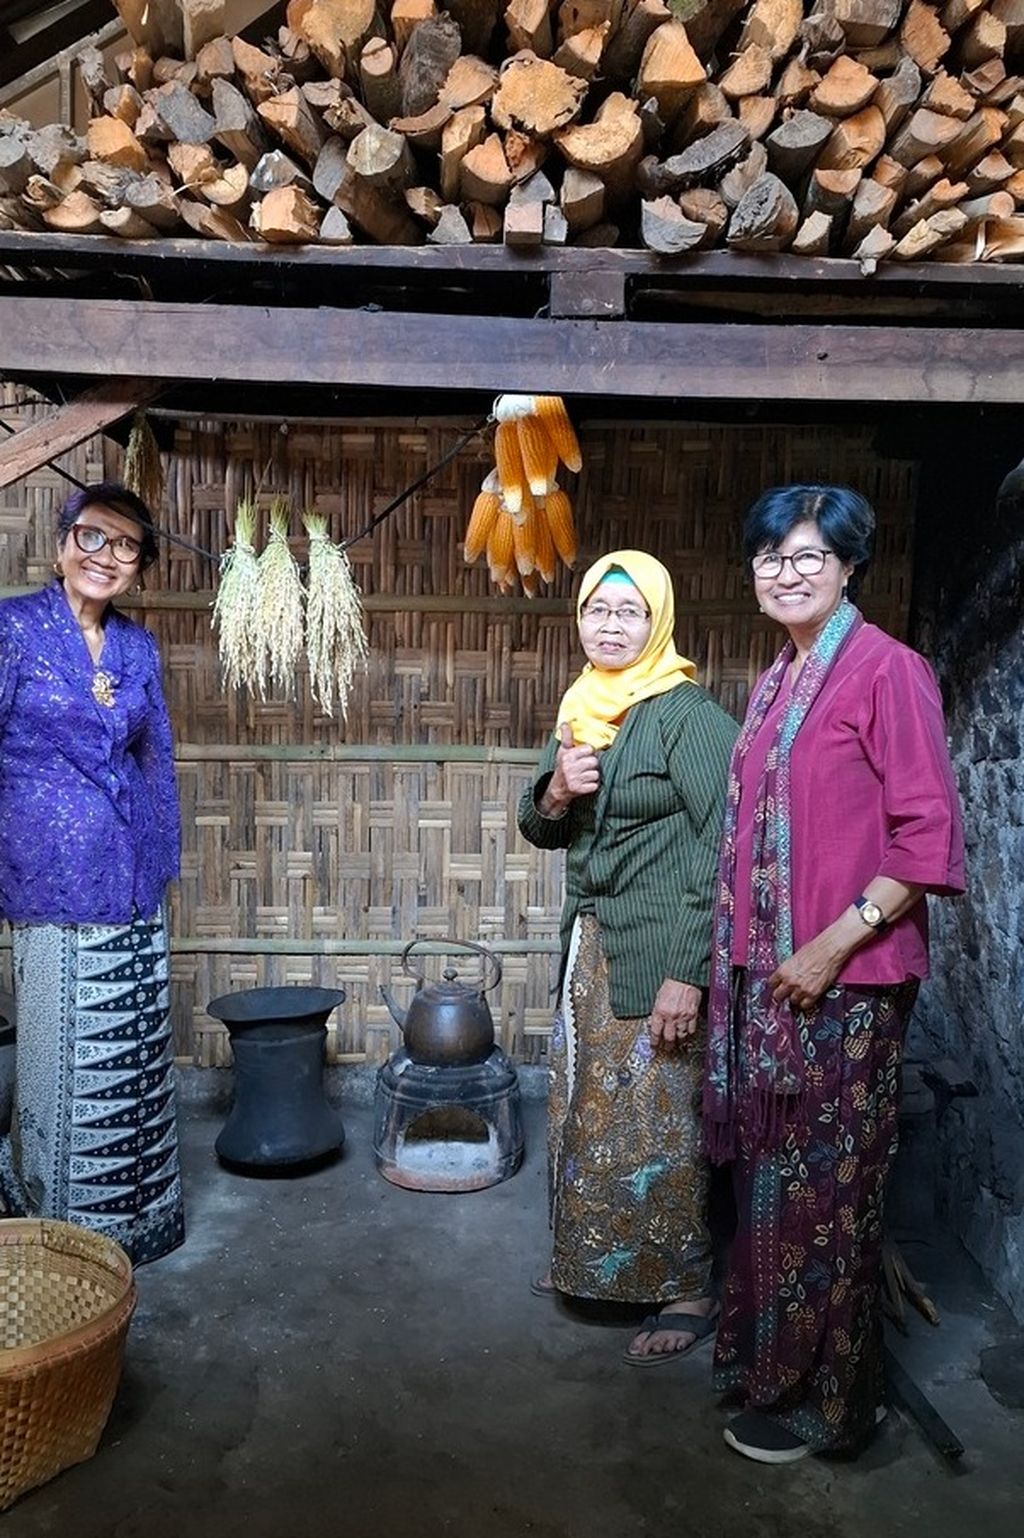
point(280, 598)
point(142, 471)
point(335, 638)
point(235, 606)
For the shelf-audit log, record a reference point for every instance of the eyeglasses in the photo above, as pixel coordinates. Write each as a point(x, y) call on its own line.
point(601, 613)
point(806, 563)
point(91, 541)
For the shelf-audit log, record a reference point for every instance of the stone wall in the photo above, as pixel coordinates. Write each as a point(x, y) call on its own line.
point(969, 618)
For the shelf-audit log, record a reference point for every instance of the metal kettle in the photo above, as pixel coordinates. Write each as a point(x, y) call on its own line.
point(448, 1022)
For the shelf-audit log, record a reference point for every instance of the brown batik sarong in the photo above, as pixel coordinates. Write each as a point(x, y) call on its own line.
point(628, 1176)
point(800, 1331)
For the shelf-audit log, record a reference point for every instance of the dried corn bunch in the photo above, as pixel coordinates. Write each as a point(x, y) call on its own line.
point(142, 471)
point(335, 638)
point(235, 606)
point(280, 599)
point(523, 546)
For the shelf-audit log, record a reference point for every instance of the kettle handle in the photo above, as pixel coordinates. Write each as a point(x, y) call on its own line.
point(467, 945)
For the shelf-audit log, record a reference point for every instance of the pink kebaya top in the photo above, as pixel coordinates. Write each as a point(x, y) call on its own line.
point(872, 795)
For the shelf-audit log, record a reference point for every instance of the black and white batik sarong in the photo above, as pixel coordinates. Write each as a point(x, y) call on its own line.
point(94, 1138)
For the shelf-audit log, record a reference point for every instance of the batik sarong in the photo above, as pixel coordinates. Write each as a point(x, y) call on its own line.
point(627, 1173)
point(93, 1139)
point(800, 1332)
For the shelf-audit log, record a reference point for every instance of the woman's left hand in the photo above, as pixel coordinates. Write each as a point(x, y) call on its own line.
point(809, 973)
point(675, 1012)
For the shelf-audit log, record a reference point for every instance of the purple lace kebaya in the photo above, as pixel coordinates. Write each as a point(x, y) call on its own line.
point(89, 821)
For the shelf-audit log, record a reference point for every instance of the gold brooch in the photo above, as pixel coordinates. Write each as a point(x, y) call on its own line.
point(103, 689)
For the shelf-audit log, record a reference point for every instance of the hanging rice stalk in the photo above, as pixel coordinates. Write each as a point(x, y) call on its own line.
point(142, 471)
point(280, 598)
point(235, 615)
point(335, 638)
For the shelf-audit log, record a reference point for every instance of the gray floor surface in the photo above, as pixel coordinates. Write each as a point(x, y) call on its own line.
point(333, 1357)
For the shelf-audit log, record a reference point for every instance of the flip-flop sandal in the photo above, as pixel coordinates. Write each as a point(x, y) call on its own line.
point(542, 1289)
point(701, 1326)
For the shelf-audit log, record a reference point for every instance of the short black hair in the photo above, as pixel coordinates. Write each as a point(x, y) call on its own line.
point(845, 518)
point(116, 499)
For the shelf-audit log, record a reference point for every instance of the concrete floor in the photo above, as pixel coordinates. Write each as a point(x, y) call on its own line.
point(332, 1357)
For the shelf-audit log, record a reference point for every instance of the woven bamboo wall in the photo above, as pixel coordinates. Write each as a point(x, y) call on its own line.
point(312, 848)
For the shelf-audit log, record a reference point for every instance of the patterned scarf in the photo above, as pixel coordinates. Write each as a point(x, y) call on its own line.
point(754, 1081)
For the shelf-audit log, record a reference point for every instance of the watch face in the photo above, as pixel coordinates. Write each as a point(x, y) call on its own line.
point(871, 913)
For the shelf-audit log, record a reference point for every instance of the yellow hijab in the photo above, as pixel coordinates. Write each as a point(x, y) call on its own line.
point(595, 702)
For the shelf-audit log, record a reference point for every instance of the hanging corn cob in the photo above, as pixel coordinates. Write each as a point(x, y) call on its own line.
point(522, 518)
point(279, 604)
point(335, 638)
point(235, 607)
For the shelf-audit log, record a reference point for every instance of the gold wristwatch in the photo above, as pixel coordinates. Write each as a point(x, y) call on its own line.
point(872, 914)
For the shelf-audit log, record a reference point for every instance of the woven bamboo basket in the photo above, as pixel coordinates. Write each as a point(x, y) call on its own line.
point(66, 1298)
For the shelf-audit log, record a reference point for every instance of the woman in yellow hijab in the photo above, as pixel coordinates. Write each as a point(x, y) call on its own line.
point(632, 787)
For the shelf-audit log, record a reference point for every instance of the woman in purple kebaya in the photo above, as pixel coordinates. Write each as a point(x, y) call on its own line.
point(89, 839)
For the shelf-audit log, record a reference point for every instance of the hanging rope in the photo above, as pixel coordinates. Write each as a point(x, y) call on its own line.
point(375, 522)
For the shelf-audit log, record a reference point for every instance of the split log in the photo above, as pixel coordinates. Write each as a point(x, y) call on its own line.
point(556, 230)
point(77, 214)
point(874, 248)
point(582, 54)
point(424, 204)
point(867, 23)
point(948, 97)
point(941, 195)
point(581, 199)
point(124, 102)
point(845, 89)
point(382, 159)
point(957, 13)
point(871, 204)
point(378, 76)
point(335, 30)
point(236, 125)
point(327, 95)
point(627, 42)
point(773, 25)
point(749, 73)
point(293, 120)
point(706, 21)
point(229, 189)
point(529, 27)
point(669, 70)
point(155, 24)
point(928, 235)
point(168, 71)
point(485, 175)
point(451, 229)
point(610, 147)
point(984, 38)
point(406, 15)
point(822, 39)
point(349, 117)
point(924, 134)
point(15, 166)
point(831, 192)
point(665, 228)
point(202, 21)
point(425, 63)
point(796, 83)
point(523, 225)
point(126, 224)
point(136, 68)
point(765, 219)
point(525, 155)
point(980, 134)
point(814, 236)
point(855, 142)
point(535, 189)
point(991, 172)
point(463, 131)
point(757, 114)
point(424, 132)
point(534, 96)
point(377, 215)
point(921, 176)
point(286, 216)
point(1011, 14)
point(995, 205)
point(184, 118)
point(112, 141)
point(469, 83)
point(923, 36)
point(153, 201)
point(704, 206)
point(1015, 187)
point(796, 144)
point(703, 161)
point(191, 163)
point(889, 173)
point(213, 223)
point(276, 169)
point(335, 229)
point(704, 111)
point(1004, 240)
point(259, 71)
point(735, 184)
point(484, 221)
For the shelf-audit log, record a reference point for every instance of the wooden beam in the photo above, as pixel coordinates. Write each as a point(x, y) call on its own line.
point(114, 337)
point(70, 425)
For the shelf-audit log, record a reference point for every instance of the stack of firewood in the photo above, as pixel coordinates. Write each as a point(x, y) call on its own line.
point(864, 128)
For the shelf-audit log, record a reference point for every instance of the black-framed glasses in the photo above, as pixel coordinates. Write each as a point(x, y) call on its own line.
point(628, 614)
point(806, 563)
point(91, 541)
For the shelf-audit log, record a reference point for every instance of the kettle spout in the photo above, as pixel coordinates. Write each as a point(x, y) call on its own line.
point(398, 1015)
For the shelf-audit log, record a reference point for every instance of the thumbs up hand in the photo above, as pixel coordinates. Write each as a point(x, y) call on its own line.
point(576, 772)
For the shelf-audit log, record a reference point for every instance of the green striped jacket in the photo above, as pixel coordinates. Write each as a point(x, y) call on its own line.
point(643, 852)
